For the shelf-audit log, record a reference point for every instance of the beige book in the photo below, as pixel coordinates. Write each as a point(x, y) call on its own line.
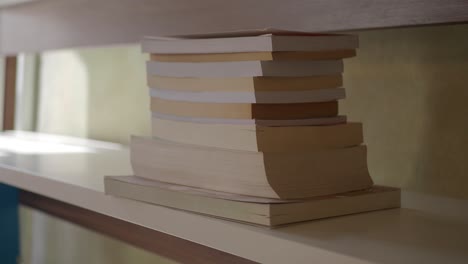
point(245, 110)
point(319, 121)
point(248, 209)
point(259, 138)
point(278, 97)
point(256, 56)
point(286, 175)
point(245, 68)
point(249, 42)
point(246, 84)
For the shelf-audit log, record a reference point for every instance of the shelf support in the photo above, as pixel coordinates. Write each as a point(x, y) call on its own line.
point(9, 93)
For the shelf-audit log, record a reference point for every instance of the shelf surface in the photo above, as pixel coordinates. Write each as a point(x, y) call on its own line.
point(427, 230)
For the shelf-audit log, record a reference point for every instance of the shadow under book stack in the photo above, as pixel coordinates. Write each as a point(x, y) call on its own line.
point(246, 127)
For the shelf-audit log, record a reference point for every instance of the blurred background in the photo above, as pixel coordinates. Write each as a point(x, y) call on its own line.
point(408, 86)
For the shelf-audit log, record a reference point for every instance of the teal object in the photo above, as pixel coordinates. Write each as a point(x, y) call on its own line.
point(9, 225)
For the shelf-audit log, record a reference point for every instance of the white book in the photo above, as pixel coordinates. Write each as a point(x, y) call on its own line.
point(292, 174)
point(281, 97)
point(232, 43)
point(250, 209)
point(244, 68)
point(255, 137)
point(320, 121)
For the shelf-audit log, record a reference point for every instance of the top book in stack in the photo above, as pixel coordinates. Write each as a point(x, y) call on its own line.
point(251, 41)
point(250, 56)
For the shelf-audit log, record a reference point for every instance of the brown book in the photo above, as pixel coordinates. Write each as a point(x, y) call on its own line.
point(284, 175)
point(256, 56)
point(249, 209)
point(318, 121)
point(246, 84)
point(245, 110)
point(245, 68)
point(312, 96)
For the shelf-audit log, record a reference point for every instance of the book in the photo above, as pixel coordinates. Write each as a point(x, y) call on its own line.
point(245, 68)
point(313, 96)
point(245, 84)
point(319, 121)
point(259, 138)
point(250, 209)
point(284, 175)
point(253, 41)
point(245, 110)
point(256, 56)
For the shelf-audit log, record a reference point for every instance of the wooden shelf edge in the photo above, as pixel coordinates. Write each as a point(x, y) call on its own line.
point(172, 247)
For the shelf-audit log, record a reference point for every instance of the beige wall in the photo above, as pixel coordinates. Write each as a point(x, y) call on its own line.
point(410, 88)
point(96, 93)
point(49, 240)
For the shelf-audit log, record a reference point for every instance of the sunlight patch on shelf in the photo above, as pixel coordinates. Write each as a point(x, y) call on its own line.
point(38, 147)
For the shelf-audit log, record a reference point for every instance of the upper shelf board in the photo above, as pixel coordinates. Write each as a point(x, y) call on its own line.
point(5, 3)
point(54, 24)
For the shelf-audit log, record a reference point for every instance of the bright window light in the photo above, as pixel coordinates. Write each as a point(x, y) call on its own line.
point(19, 146)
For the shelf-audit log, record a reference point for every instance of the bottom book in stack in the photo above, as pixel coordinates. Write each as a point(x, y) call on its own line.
point(249, 209)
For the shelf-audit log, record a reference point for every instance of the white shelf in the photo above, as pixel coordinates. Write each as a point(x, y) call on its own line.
point(433, 230)
point(55, 24)
point(7, 3)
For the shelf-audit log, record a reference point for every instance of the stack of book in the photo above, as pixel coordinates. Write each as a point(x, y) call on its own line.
point(246, 127)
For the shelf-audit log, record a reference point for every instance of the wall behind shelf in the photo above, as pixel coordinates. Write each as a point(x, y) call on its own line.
point(102, 92)
point(409, 87)
point(47, 239)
